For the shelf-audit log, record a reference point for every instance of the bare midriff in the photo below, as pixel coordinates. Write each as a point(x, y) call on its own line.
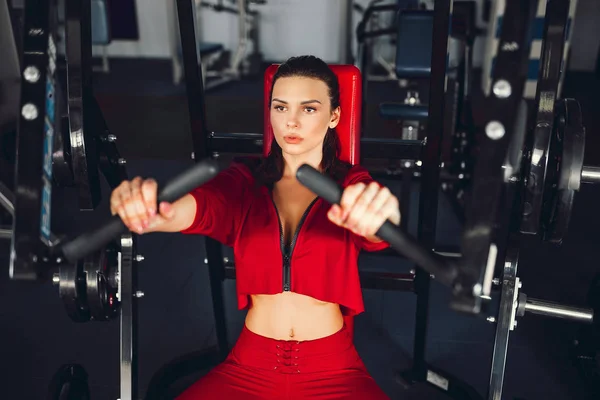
point(292, 316)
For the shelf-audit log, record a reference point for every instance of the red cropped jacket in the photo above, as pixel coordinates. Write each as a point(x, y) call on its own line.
point(323, 258)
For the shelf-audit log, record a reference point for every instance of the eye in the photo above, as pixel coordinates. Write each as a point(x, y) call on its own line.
point(310, 109)
point(279, 108)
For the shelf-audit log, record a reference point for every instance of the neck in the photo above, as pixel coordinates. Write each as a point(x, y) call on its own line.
point(293, 162)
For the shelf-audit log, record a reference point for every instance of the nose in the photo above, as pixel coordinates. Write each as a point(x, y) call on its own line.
point(292, 123)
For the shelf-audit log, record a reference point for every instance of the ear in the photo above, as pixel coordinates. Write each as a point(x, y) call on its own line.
point(335, 117)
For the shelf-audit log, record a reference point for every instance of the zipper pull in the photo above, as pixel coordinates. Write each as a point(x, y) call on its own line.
point(286, 273)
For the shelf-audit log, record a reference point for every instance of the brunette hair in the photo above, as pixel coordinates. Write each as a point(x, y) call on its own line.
point(270, 169)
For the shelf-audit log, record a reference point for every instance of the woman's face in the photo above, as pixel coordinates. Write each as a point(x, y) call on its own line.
point(301, 114)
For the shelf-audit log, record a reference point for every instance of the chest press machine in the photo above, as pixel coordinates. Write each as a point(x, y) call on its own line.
point(489, 256)
point(489, 253)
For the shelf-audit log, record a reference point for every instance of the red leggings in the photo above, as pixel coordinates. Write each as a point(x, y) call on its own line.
point(262, 368)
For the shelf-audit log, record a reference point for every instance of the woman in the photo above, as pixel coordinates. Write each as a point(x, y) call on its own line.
point(296, 255)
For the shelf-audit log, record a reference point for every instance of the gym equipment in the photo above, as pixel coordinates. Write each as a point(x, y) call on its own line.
point(214, 144)
point(90, 288)
point(514, 304)
point(486, 244)
point(567, 148)
point(545, 141)
point(552, 171)
point(101, 30)
point(412, 33)
point(96, 275)
point(415, 30)
point(562, 155)
point(84, 161)
point(586, 346)
point(213, 54)
point(70, 382)
point(496, 17)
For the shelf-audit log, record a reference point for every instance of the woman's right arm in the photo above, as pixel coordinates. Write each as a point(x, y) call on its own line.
point(213, 209)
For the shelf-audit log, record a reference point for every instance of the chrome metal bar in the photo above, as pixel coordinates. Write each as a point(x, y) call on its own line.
point(555, 310)
point(127, 288)
point(590, 174)
point(5, 233)
point(7, 199)
point(504, 325)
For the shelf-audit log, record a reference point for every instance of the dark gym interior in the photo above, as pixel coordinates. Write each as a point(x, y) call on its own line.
point(148, 113)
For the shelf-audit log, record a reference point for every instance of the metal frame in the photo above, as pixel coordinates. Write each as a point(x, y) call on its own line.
point(504, 324)
point(196, 107)
point(513, 304)
point(430, 170)
point(551, 63)
point(498, 191)
point(428, 207)
point(33, 169)
point(32, 239)
point(482, 248)
point(78, 47)
point(128, 317)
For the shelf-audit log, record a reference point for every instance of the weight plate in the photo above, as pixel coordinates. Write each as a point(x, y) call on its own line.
point(574, 144)
point(72, 291)
point(70, 382)
point(567, 152)
point(81, 123)
point(100, 269)
point(61, 156)
point(538, 144)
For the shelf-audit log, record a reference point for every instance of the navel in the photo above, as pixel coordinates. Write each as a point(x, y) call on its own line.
point(291, 333)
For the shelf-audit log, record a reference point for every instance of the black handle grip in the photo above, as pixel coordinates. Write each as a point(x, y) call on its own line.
point(176, 188)
point(330, 191)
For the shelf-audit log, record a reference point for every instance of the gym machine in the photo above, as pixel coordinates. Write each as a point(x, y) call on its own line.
point(68, 145)
point(412, 34)
point(212, 54)
point(497, 180)
point(553, 171)
point(498, 183)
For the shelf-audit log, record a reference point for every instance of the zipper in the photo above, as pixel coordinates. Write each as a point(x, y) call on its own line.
point(287, 253)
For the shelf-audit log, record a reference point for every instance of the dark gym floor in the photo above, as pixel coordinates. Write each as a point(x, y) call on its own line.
point(149, 116)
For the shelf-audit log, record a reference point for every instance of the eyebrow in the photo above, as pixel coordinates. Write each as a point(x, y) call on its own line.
point(304, 102)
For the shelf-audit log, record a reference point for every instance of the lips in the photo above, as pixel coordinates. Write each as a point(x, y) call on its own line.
point(292, 139)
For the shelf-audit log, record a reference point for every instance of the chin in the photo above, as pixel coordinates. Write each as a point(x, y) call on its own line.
point(293, 150)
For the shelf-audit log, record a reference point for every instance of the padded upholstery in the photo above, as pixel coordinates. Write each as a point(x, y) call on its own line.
point(208, 48)
point(100, 26)
point(414, 44)
point(348, 128)
point(400, 111)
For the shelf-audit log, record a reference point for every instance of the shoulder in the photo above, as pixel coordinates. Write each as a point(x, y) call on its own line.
point(243, 167)
point(356, 174)
point(250, 163)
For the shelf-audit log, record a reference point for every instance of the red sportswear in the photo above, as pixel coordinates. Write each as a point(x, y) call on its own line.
point(322, 261)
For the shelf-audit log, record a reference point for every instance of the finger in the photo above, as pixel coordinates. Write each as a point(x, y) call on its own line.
point(335, 214)
point(149, 189)
point(357, 219)
point(390, 211)
point(121, 212)
point(115, 202)
point(376, 213)
point(138, 201)
point(167, 210)
point(349, 196)
point(133, 221)
point(120, 194)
